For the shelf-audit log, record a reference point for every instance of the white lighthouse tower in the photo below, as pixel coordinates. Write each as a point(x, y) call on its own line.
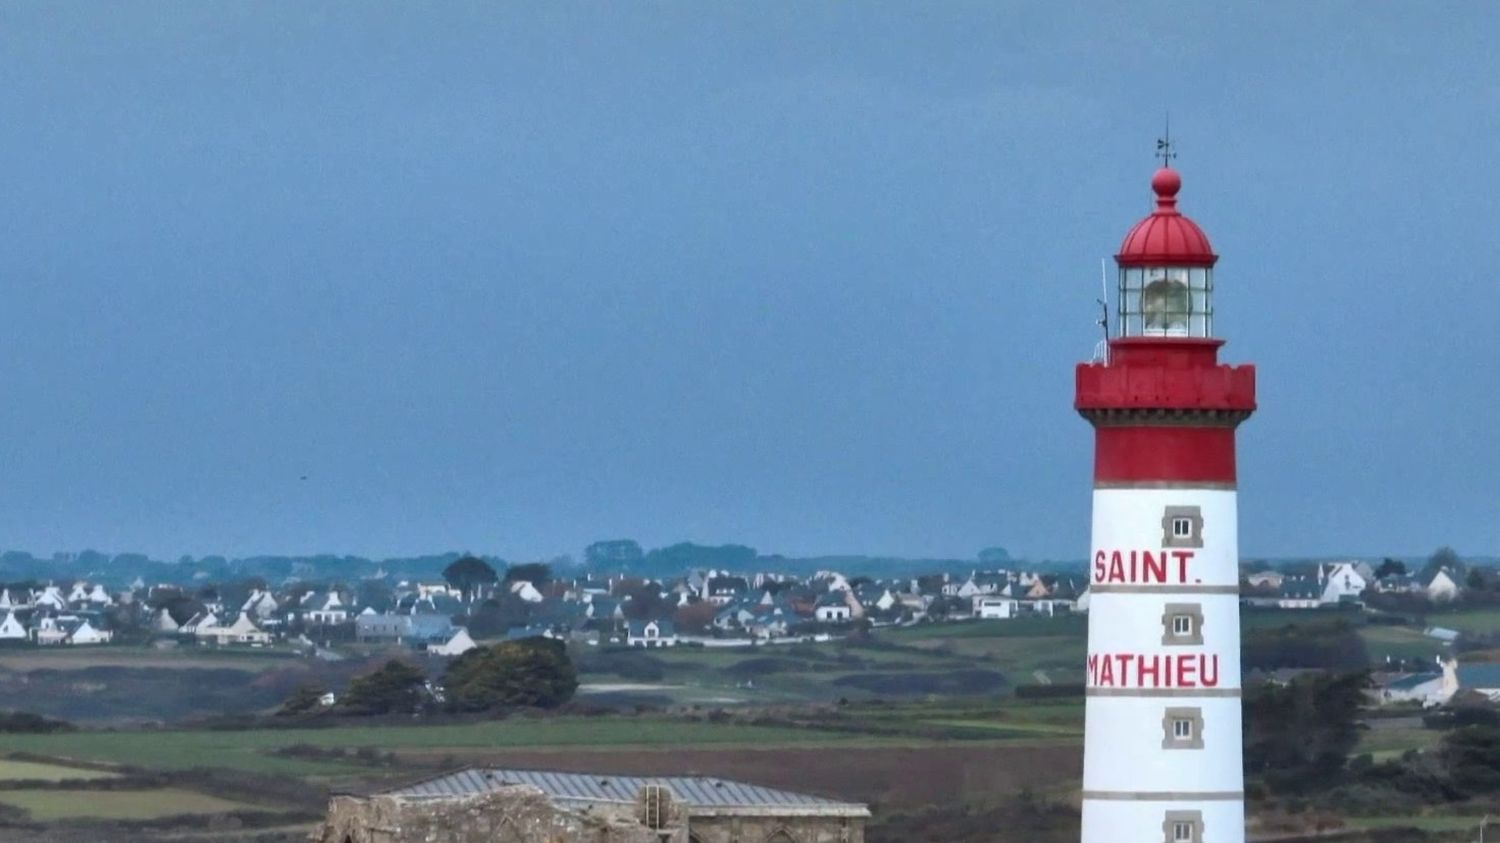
point(1162, 747)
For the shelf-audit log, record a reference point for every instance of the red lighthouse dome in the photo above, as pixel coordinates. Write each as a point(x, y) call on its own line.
point(1166, 237)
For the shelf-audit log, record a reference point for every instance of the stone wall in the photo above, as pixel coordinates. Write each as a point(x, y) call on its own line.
point(507, 815)
point(777, 829)
point(522, 814)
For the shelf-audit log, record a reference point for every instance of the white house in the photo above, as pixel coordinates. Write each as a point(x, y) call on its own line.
point(1299, 593)
point(69, 629)
point(51, 597)
point(325, 608)
point(86, 633)
point(991, 607)
point(11, 629)
point(261, 604)
point(833, 607)
point(526, 591)
point(1441, 587)
point(1265, 579)
point(242, 631)
point(203, 620)
point(651, 634)
point(164, 622)
point(1425, 688)
point(456, 645)
point(1341, 580)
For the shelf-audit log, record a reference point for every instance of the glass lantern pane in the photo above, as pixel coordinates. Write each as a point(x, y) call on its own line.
point(1165, 304)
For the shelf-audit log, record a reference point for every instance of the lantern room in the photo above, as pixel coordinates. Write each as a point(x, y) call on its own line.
point(1166, 271)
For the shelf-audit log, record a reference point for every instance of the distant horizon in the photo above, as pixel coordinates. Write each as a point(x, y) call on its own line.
point(761, 553)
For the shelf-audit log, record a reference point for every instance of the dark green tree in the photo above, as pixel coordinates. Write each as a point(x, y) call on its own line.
point(468, 574)
point(1443, 557)
point(305, 700)
point(613, 555)
point(1390, 567)
point(994, 556)
point(1298, 736)
point(1471, 756)
point(536, 573)
point(1328, 645)
point(495, 616)
point(679, 557)
point(395, 688)
point(534, 672)
point(373, 593)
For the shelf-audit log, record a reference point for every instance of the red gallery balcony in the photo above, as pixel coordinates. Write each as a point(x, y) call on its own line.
point(1165, 373)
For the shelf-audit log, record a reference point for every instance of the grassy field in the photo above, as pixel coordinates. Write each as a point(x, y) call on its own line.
point(251, 750)
point(1384, 743)
point(1399, 642)
point(13, 771)
point(182, 658)
point(1485, 621)
point(54, 805)
point(1424, 823)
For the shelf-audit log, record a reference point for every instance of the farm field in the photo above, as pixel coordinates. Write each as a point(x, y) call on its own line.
point(251, 750)
point(15, 771)
point(1399, 642)
point(1472, 620)
point(1425, 823)
point(1385, 743)
point(54, 805)
point(76, 658)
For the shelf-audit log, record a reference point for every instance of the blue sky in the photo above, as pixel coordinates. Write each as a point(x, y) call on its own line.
point(811, 277)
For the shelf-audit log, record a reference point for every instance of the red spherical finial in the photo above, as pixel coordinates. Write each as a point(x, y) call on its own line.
point(1166, 183)
point(1166, 237)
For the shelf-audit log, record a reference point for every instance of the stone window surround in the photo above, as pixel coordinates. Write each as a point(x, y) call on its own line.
point(1169, 739)
point(1169, 636)
point(1169, 538)
point(1175, 818)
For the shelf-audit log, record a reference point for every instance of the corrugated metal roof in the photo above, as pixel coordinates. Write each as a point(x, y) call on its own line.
point(696, 792)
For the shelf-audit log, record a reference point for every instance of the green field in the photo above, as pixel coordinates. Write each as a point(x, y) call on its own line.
point(1384, 744)
point(54, 805)
point(1484, 621)
point(181, 658)
point(1399, 642)
point(15, 771)
point(250, 750)
point(1424, 823)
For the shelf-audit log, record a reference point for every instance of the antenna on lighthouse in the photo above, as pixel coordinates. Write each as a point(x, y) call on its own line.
point(1101, 351)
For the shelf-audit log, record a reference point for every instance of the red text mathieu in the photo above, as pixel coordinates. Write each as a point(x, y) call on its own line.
point(1142, 670)
point(1141, 566)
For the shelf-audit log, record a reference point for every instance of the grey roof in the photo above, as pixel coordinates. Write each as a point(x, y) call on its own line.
point(704, 794)
point(1412, 680)
point(1479, 676)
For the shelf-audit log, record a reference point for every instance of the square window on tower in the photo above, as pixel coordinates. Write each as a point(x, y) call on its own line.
point(1182, 624)
point(1182, 526)
point(1182, 728)
point(1183, 827)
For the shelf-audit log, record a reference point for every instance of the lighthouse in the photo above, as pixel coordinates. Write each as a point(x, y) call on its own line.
point(1163, 755)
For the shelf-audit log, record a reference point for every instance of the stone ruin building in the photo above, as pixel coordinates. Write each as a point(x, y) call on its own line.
point(523, 806)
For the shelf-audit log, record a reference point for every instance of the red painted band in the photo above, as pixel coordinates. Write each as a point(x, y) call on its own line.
point(1182, 454)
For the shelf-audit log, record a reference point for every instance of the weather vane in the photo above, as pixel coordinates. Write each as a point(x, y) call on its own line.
point(1164, 149)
